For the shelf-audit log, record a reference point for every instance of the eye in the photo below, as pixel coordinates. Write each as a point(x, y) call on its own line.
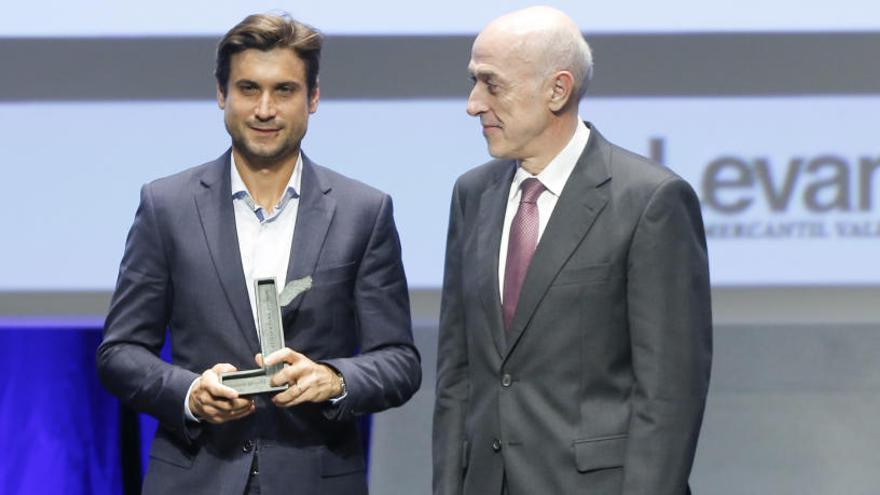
point(248, 88)
point(285, 90)
point(492, 86)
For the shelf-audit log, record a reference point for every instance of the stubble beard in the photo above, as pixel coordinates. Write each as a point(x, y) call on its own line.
point(263, 158)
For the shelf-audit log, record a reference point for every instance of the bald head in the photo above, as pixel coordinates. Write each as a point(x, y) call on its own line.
point(530, 69)
point(547, 40)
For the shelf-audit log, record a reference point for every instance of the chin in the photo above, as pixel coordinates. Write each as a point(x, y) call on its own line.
point(265, 150)
point(500, 153)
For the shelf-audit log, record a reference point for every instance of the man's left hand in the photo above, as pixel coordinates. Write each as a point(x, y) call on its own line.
point(307, 380)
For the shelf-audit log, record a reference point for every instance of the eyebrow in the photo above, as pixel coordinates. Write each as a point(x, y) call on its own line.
point(291, 83)
point(483, 74)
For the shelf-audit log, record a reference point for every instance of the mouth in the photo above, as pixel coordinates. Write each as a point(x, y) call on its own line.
point(487, 128)
point(265, 131)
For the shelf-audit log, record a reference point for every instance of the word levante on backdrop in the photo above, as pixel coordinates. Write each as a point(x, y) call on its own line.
point(825, 196)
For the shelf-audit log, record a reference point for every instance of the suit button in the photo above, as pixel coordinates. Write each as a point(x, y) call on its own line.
point(248, 446)
point(496, 445)
point(506, 380)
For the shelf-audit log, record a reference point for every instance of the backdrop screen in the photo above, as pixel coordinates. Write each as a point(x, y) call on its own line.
point(170, 17)
point(771, 118)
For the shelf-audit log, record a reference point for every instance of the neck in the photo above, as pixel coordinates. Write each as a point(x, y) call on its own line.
point(554, 138)
point(266, 182)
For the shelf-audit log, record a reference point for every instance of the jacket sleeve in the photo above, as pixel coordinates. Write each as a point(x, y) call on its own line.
point(134, 332)
point(387, 371)
point(670, 321)
point(452, 366)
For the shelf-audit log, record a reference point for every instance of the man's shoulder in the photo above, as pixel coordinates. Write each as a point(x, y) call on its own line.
point(638, 166)
point(635, 179)
point(346, 187)
point(630, 173)
point(623, 163)
point(208, 172)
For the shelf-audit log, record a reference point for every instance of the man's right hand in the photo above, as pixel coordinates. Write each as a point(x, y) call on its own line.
point(216, 403)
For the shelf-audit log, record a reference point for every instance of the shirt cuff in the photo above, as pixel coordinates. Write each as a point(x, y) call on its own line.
point(344, 394)
point(189, 415)
point(334, 400)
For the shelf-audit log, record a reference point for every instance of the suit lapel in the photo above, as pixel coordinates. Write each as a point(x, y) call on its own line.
point(493, 203)
point(312, 222)
point(214, 204)
point(582, 199)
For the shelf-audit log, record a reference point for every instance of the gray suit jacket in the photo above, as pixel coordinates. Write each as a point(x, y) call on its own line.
point(182, 270)
point(600, 385)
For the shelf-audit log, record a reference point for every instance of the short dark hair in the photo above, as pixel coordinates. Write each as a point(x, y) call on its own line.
point(266, 32)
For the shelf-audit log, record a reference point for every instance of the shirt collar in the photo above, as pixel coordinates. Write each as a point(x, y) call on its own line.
point(556, 173)
point(240, 192)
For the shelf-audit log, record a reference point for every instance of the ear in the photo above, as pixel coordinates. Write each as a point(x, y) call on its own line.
point(561, 88)
point(314, 97)
point(221, 99)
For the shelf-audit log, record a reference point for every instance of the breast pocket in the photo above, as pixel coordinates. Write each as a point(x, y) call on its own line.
point(585, 274)
point(334, 274)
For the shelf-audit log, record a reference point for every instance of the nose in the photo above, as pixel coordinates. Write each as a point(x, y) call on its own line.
point(475, 104)
point(265, 107)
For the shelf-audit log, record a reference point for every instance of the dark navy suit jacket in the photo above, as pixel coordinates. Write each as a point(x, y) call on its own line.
point(599, 386)
point(182, 271)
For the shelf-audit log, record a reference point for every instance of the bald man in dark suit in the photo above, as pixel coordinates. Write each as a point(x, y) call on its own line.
point(575, 330)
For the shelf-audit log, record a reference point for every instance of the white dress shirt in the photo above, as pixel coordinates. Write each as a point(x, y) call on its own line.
point(553, 177)
point(264, 239)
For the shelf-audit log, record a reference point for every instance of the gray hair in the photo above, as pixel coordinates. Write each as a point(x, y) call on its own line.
point(565, 50)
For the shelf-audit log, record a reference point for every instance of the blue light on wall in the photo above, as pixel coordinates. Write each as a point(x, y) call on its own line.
point(59, 428)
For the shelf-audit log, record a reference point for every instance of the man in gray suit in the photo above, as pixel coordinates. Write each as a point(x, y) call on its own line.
point(575, 329)
point(199, 240)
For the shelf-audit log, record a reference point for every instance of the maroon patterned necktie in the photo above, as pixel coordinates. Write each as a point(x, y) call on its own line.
point(521, 246)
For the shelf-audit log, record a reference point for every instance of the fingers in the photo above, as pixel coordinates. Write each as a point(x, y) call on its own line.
point(217, 403)
point(307, 382)
point(215, 413)
point(211, 381)
point(310, 382)
point(223, 368)
point(285, 355)
point(292, 373)
point(296, 394)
